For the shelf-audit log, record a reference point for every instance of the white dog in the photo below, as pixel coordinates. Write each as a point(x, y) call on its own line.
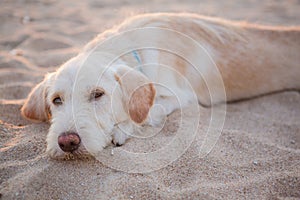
point(162, 59)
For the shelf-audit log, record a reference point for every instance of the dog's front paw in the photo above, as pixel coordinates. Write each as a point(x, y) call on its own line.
point(119, 137)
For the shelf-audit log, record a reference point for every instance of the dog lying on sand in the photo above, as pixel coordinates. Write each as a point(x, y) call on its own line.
point(102, 88)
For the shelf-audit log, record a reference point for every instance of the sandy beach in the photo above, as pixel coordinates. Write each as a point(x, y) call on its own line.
point(257, 156)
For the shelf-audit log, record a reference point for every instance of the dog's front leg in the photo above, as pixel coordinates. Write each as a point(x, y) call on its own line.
point(163, 106)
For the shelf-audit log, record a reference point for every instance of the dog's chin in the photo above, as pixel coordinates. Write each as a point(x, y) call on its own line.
point(79, 154)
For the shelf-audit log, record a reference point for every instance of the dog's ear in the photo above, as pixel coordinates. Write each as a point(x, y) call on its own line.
point(138, 92)
point(36, 107)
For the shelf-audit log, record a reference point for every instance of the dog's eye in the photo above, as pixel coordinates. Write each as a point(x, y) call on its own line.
point(57, 101)
point(97, 94)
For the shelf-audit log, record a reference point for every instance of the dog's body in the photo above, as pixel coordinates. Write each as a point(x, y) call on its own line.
point(94, 92)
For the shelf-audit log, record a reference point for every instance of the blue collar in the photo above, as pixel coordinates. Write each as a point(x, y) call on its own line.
point(136, 56)
point(138, 59)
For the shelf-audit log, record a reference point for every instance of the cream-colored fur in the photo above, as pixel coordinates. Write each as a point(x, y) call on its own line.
point(161, 59)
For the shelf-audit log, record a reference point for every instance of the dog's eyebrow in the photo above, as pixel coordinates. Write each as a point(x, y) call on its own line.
point(56, 94)
point(96, 89)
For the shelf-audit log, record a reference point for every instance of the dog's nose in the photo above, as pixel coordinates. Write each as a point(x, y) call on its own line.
point(69, 142)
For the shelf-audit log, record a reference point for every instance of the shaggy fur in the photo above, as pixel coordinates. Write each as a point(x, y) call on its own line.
point(182, 55)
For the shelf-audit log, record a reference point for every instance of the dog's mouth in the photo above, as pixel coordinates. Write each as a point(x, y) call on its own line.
point(79, 154)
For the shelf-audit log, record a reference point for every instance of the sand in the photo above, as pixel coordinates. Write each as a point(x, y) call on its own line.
point(256, 157)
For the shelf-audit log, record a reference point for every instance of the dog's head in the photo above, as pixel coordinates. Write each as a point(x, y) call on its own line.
point(83, 101)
